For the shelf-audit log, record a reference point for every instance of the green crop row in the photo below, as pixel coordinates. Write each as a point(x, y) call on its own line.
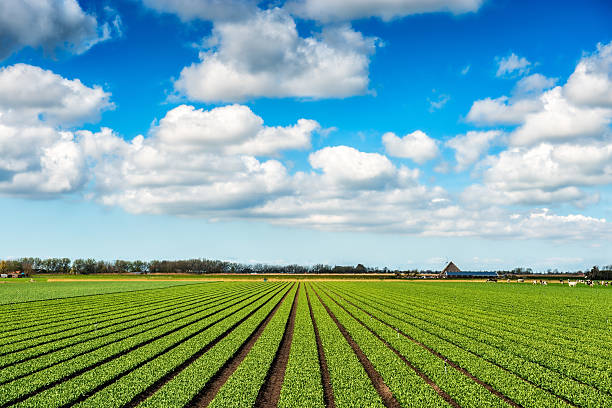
point(75, 321)
point(459, 387)
point(302, 383)
point(505, 382)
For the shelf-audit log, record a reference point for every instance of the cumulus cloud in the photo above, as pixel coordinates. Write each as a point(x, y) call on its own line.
point(502, 111)
point(264, 56)
point(591, 82)
point(210, 10)
point(581, 108)
point(533, 84)
point(198, 162)
point(544, 174)
point(39, 162)
point(561, 146)
point(232, 129)
point(469, 147)
point(416, 146)
point(39, 155)
point(512, 64)
point(344, 10)
point(29, 94)
point(561, 120)
point(50, 24)
point(344, 165)
point(547, 166)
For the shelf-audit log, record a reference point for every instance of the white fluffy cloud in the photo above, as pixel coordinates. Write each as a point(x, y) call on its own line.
point(50, 24)
point(210, 10)
point(561, 120)
point(502, 111)
point(469, 147)
point(416, 146)
point(511, 64)
point(199, 162)
point(29, 94)
point(548, 167)
point(264, 56)
point(343, 10)
point(581, 108)
point(232, 129)
point(39, 156)
point(39, 162)
point(544, 174)
point(591, 82)
point(533, 84)
point(561, 149)
point(512, 111)
point(346, 166)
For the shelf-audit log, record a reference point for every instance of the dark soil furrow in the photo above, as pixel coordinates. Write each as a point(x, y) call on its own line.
point(377, 381)
point(269, 393)
point(328, 392)
point(212, 387)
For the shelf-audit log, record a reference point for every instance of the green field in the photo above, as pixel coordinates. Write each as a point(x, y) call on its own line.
point(22, 290)
point(305, 344)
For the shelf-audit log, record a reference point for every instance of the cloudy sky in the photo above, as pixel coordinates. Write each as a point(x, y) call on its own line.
point(399, 133)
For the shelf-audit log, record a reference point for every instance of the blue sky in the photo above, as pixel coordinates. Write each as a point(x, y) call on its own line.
point(394, 133)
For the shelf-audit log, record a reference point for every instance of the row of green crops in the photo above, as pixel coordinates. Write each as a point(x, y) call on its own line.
point(302, 383)
point(350, 383)
point(124, 389)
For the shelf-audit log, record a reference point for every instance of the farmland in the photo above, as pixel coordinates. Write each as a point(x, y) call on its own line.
point(305, 344)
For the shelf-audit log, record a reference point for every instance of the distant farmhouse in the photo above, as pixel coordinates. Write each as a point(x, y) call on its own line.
point(452, 271)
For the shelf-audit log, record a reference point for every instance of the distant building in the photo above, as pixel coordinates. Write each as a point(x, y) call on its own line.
point(452, 271)
point(451, 267)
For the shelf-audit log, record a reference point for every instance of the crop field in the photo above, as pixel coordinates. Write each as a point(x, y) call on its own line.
point(309, 344)
point(19, 290)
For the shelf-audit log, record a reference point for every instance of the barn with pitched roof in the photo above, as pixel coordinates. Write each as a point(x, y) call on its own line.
point(452, 271)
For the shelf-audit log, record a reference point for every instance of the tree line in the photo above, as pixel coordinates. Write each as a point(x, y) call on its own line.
point(90, 266)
